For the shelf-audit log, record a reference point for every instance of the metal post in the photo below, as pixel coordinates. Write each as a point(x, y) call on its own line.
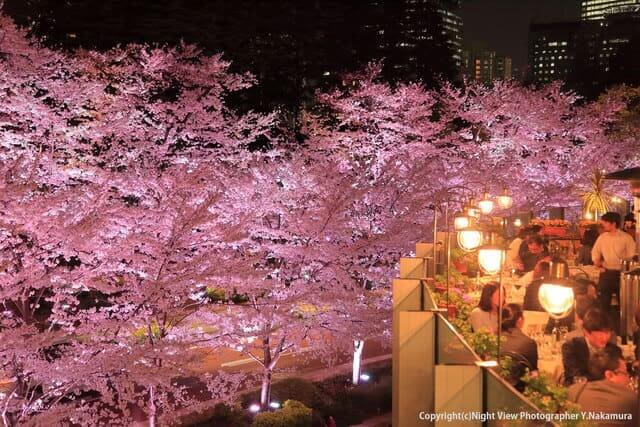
point(500, 309)
point(448, 249)
point(435, 240)
point(636, 214)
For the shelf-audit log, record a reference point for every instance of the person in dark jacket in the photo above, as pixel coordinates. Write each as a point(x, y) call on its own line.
point(536, 251)
point(588, 240)
point(576, 351)
point(608, 390)
point(531, 301)
point(515, 340)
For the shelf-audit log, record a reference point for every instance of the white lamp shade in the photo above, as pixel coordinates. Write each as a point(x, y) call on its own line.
point(505, 201)
point(473, 212)
point(486, 206)
point(490, 259)
point(461, 222)
point(517, 222)
point(469, 239)
point(557, 300)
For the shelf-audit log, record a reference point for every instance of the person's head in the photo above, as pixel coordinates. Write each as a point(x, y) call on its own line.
point(535, 229)
point(610, 221)
point(512, 316)
point(608, 364)
point(535, 244)
point(522, 233)
point(597, 327)
point(541, 270)
point(490, 297)
point(583, 304)
point(590, 236)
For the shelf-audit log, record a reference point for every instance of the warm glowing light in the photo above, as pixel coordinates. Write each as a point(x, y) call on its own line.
point(486, 204)
point(616, 199)
point(505, 201)
point(469, 239)
point(254, 408)
point(588, 216)
point(473, 212)
point(517, 222)
point(490, 259)
point(556, 299)
point(461, 222)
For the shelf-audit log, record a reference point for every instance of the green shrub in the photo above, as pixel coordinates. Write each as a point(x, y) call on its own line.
point(292, 414)
point(293, 388)
point(227, 416)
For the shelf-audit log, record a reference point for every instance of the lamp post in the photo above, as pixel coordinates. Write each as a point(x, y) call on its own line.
point(491, 257)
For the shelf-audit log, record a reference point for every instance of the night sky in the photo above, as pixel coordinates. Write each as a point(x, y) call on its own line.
point(503, 25)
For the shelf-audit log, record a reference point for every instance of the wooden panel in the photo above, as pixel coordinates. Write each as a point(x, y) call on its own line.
point(413, 391)
point(424, 250)
point(458, 389)
point(412, 268)
point(406, 297)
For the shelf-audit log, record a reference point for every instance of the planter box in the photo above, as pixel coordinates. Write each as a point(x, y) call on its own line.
point(555, 231)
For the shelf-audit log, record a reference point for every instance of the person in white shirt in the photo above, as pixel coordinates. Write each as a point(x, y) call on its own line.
point(610, 249)
point(514, 248)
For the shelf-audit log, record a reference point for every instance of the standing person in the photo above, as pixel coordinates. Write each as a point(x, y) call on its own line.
point(514, 248)
point(535, 253)
point(587, 243)
point(612, 246)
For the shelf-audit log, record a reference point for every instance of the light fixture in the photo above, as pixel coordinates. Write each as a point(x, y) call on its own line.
point(486, 204)
point(461, 221)
point(274, 405)
point(365, 377)
point(491, 258)
point(254, 407)
point(556, 292)
point(471, 209)
point(505, 201)
point(588, 216)
point(517, 222)
point(616, 199)
point(469, 239)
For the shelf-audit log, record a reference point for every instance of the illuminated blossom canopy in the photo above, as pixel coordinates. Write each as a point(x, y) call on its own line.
point(138, 224)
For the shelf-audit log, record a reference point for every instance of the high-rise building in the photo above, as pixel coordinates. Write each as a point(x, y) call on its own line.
point(417, 37)
point(452, 27)
point(590, 55)
point(598, 9)
point(552, 50)
point(486, 66)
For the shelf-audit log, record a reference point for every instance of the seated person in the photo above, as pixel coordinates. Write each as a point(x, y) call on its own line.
point(485, 315)
point(576, 351)
point(608, 390)
point(516, 341)
point(582, 305)
point(531, 301)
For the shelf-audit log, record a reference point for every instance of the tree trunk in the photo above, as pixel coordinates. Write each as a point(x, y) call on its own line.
point(265, 392)
point(152, 408)
point(358, 347)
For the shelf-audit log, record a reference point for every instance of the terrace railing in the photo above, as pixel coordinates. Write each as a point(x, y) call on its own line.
point(438, 380)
